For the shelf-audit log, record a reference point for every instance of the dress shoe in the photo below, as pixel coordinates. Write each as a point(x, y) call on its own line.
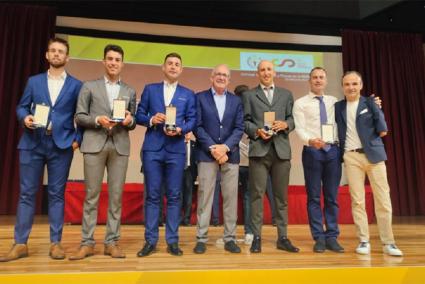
point(17, 251)
point(114, 251)
point(200, 248)
point(56, 251)
point(174, 249)
point(319, 246)
point(285, 244)
point(83, 252)
point(333, 245)
point(147, 249)
point(232, 247)
point(256, 245)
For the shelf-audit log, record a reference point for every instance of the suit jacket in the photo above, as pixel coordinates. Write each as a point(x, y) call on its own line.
point(370, 121)
point(61, 114)
point(210, 130)
point(92, 102)
point(152, 102)
point(255, 104)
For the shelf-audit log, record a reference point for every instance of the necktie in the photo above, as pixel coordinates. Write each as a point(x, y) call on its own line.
point(269, 94)
point(323, 117)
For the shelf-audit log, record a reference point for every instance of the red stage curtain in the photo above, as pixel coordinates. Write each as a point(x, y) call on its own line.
point(24, 33)
point(392, 65)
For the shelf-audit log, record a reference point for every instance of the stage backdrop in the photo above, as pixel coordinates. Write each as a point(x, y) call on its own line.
point(143, 65)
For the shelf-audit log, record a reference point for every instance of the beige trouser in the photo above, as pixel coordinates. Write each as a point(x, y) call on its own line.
point(356, 167)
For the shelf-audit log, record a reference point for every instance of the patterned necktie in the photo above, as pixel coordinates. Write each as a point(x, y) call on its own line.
point(323, 118)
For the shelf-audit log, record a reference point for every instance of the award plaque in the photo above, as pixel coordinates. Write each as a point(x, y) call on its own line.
point(170, 119)
point(328, 133)
point(118, 113)
point(41, 115)
point(269, 118)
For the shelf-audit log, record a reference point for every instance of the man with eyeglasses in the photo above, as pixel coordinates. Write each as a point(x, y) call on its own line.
point(218, 132)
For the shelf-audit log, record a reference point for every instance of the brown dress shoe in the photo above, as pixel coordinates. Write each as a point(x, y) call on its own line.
point(83, 252)
point(114, 251)
point(56, 251)
point(17, 251)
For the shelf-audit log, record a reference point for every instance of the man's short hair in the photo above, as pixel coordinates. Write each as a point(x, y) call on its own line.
point(115, 48)
point(352, 72)
point(173, 54)
point(317, 68)
point(60, 40)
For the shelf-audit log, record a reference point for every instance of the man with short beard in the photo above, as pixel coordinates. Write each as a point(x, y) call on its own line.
point(52, 146)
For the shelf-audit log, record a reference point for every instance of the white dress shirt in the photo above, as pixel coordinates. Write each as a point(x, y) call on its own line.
point(112, 90)
point(352, 140)
point(169, 90)
point(55, 84)
point(306, 114)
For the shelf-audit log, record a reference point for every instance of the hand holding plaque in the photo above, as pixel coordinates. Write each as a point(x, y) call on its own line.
point(269, 118)
point(118, 113)
point(41, 115)
point(170, 119)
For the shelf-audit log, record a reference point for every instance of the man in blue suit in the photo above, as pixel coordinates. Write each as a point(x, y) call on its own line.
point(52, 145)
point(220, 126)
point(361, 126)
point(164, 151)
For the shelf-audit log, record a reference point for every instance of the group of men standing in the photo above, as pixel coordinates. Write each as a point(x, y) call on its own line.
point(218, 119)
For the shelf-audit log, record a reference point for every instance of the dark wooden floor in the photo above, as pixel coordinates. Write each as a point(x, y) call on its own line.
point(409, 233)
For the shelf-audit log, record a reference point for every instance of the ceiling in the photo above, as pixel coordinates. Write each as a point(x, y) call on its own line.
point(302, 16)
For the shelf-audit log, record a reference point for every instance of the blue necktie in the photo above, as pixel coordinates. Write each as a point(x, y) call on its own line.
point(323, 117)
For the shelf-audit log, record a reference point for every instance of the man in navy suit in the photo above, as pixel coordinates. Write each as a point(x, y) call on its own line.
point(361, 126)
point(52, 145)
point(220, 126)
point(164, 151)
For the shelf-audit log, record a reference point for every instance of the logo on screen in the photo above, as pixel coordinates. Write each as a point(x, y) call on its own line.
point(283, 62)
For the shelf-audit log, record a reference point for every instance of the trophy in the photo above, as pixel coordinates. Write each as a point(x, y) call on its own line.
point(170, 119)
point(118, 113)
point(41, 115)
point(269, 118)
point(327, 132)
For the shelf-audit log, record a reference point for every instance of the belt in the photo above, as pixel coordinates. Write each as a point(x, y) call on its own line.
point(358, 150)
point(48, 132)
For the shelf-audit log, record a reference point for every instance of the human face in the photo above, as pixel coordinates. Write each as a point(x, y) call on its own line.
point(172, 69)
point(220, 78)
point(318, 81)
point(56, 55)
point(352, 85)
point(113, 64)
point(266, 73)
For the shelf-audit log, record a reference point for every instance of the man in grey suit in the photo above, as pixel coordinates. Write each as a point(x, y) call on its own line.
point(106, 143)
point(269, 151)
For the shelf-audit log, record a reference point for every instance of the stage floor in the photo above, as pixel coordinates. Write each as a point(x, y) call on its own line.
point(409, 233)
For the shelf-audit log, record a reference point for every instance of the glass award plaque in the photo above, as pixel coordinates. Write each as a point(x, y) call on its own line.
point(269, 118)
point(327, 131)
point(41, 115)
point(170, 119)
point(118, 113)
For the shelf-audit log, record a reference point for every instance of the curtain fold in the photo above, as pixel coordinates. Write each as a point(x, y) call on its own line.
point(392, 65)
point(24, 33)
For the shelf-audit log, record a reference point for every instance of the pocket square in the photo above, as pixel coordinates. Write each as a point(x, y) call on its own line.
point(363, 111)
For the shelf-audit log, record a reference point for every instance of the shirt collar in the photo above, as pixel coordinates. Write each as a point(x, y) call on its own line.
point(107, 81)
point(170, 85)
point(214, 92)
point(264, 87)
point(62, 76)
point(313, 95)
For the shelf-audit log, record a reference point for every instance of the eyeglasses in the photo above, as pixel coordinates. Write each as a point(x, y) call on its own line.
point(221, 75)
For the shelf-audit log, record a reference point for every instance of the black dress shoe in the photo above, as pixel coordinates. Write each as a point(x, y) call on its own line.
point(333, 245)
point(256, 245)
point(200, 248)
point(147, 249)
point(285, 244)
point(174, 249)
point(319, 246)
point(232, 247)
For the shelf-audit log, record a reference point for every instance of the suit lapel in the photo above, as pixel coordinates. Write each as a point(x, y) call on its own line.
point(64, 89)
point(46, 92)
point(211, 102)
point(276, 96)
point(344, 111)
point(102, 88)
point(261, 96)
point(228, 108)
point(362, 105)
